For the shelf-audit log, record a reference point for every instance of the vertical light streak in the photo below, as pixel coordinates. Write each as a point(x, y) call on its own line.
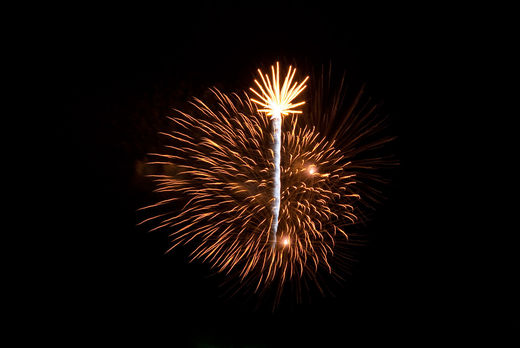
point(277, 101)
point(277, 125)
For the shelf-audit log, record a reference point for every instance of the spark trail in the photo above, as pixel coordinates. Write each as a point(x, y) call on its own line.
point(277, 102)
point(277, 125)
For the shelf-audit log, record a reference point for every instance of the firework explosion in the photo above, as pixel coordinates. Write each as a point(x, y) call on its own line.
point(264, 202)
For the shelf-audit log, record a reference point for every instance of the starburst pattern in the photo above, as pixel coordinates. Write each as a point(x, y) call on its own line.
point(276, 99)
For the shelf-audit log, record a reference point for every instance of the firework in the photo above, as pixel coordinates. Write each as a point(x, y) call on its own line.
point(277, 101)
point(265, 206)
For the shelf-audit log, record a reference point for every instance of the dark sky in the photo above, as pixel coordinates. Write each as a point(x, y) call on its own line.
point(116, 72)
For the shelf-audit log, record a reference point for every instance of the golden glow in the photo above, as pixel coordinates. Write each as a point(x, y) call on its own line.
point(312, 169)
point(276, 99)
point(286, 241)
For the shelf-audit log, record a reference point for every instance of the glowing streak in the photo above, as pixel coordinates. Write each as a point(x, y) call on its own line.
point(277, 124)
point(278, 102)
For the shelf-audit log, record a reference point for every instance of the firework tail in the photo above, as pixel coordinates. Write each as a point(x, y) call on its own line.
point(277, 125)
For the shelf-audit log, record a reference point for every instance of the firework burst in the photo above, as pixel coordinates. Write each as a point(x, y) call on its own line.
point(220, 170)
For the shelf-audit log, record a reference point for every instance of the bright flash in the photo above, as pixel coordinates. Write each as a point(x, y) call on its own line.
point(276, 100)
point(286, 241)
point(312, 170)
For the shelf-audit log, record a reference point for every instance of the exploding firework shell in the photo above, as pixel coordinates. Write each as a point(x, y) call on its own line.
point(215, 179)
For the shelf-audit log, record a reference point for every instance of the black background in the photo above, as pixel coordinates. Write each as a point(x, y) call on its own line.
point(114, 73)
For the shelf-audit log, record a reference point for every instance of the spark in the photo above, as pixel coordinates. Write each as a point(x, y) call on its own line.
point(277, 101)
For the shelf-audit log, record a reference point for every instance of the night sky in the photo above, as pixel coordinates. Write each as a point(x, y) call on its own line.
point(115, 73)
